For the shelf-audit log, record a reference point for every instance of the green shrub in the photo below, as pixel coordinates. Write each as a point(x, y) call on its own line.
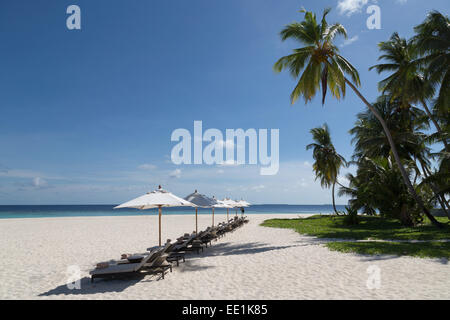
point(351, 218)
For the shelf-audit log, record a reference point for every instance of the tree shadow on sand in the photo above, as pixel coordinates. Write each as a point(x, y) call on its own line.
point(364, 256)
point(191, 265)
point(226, 249)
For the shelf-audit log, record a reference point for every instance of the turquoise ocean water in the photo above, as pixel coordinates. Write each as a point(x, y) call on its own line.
point(46, 211)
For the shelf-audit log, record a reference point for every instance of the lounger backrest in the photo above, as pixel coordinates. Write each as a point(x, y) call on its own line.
point(168, 245)
point(152, 256)
point(181, 245)
point(168, 249)
point(159, 261)
point(200, 234)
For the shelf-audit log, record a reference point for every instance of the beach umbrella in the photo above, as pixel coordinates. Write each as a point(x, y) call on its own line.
point(156, 199)
point(243, 204)
point(231, 203)
point(200, 200)
point(220, 204)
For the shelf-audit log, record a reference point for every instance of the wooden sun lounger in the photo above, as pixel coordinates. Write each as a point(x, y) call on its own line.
point(120, 269)
point(159, 265)
point(171, 254)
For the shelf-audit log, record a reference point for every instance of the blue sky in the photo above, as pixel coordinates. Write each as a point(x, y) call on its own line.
point(87, 115)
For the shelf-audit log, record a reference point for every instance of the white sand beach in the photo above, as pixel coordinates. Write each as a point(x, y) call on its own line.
point(253, 262)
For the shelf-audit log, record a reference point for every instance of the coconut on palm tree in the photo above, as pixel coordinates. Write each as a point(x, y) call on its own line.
point(318, 65)
point(327, 161)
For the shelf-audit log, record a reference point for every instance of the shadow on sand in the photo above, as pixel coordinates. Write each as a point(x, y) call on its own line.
point(226, 249)
point(119, 285)
point(86, 287)
point(311, 240)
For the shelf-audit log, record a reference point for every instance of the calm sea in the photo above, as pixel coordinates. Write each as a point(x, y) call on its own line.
point(46, 211)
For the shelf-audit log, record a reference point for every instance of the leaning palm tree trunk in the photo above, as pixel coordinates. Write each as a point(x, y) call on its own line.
point(334, 202)
point(396, 157)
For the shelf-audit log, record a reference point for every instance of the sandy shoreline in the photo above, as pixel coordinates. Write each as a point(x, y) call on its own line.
point(252, 263)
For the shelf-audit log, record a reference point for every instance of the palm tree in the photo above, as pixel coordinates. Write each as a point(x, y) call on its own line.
point(323, 67)
point(433, 40)
point(407, 82)
point(327, 161)
point(405, 126)
point(378, 185)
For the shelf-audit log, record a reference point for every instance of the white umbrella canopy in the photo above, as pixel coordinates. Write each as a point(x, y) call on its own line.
point(200, 200)
point(230, 203)
point(221, 204)
point(243, 203)
point(156, 199)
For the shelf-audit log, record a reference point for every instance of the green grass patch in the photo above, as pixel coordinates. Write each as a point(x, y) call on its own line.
point(369, 227)
point(421, 250)
point(372, 228)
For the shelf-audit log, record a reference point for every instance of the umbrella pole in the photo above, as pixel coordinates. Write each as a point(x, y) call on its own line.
point(228, 218)
point(213, 216)
point(196, 224)
point(159, 210)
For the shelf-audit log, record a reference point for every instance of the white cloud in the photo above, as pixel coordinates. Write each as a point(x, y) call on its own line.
point(302, 183)
point(175, 173)
point(39, 182)
point(294, 184)
point(258, 188)
point(401, 1)
point(350, 7)
point(349, 41)
point(147, 166)
point(19, 173)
